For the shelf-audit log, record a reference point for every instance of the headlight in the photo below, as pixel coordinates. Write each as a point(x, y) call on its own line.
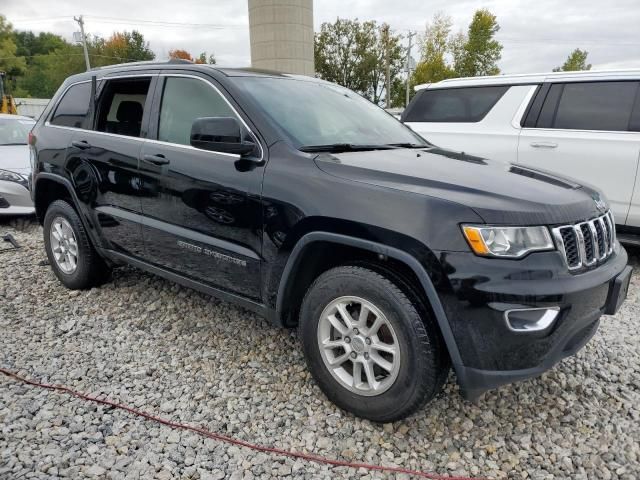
point(8, 176)
point(509, 242)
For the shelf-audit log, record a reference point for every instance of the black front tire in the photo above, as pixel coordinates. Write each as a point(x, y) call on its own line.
point(423, 361)
point(90, 270)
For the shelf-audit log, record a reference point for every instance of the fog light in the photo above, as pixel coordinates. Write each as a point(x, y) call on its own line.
point(531, 319)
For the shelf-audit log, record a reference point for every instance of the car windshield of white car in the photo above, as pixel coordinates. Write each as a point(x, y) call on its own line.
point(14, 131)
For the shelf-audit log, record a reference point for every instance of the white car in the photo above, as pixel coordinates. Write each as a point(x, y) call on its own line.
point(15, 165)
point(584, 125)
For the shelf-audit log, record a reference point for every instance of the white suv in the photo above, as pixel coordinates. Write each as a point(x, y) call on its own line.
point(584, 125)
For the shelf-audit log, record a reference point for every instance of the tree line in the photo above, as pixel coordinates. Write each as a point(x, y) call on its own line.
point(37, 64)
point(355, 54)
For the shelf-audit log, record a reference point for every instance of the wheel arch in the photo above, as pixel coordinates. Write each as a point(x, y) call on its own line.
point(49, 187)
point(292, 267)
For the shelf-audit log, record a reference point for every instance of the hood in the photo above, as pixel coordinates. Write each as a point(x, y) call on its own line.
point(499, 192)
point(15, 158)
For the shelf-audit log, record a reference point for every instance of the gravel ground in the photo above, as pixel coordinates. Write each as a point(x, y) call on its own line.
point(159, 347)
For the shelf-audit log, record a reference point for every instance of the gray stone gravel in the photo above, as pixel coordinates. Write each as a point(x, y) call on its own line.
point(171, 351)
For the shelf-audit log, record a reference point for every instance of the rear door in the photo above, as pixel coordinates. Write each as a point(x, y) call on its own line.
point(108, 154)
point(583, 131)
point(204, 218)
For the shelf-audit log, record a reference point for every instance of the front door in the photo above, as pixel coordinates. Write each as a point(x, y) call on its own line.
point(584, 132)
point(204, 218)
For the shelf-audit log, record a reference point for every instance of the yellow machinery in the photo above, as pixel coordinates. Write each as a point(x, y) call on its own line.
point(7, 105)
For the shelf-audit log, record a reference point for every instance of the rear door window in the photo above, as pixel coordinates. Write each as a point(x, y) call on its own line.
point(121, 106)
point(604, 106)
point(73, 109)
point(454, 104)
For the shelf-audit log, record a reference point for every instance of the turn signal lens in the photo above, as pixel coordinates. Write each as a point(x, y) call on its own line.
point(475, 240)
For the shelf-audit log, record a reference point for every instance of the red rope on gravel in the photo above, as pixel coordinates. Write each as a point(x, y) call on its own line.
point(224, 438)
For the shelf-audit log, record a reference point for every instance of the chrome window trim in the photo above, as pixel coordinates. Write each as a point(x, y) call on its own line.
point(151, 140)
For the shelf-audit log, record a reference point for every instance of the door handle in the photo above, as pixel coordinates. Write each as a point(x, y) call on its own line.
point(155, 159)
point(81, 144)
point(544, 144)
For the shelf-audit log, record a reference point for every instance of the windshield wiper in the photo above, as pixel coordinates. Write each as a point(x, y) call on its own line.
point(410, 145)
point(343, 147)
point(9, 144)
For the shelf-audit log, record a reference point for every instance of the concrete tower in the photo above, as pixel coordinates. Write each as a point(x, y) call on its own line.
point(281, 34)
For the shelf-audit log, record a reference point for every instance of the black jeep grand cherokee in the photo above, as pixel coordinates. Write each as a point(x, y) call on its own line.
point(300, 200)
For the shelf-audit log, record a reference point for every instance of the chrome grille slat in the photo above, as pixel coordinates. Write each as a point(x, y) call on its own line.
point(605, 231)
point(602, 240)
point(612, 226)
point(586, 244)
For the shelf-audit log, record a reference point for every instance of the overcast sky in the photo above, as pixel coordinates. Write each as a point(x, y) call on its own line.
point(537, 34)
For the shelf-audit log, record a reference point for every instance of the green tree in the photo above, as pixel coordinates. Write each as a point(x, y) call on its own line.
point(481, 51)
point(353, 54)
point(30, 45)
point(11, 64)
point(577, 60)
point(435, 46)
point(121, 47)
point(46, 72)
point(51, 59)
point(203, 58)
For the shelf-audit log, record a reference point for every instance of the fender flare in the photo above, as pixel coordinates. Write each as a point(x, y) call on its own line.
point(378, 248)
point(66, 183)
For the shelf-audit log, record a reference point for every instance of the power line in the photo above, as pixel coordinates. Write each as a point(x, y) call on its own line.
point(41, 19)
point(163, 22)
point(135, 21)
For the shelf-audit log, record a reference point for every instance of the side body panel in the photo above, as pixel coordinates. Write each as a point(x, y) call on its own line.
point(106, 175)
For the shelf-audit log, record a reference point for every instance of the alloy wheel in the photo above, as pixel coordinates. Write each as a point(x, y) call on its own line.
point(64, 245)
point(359, 346)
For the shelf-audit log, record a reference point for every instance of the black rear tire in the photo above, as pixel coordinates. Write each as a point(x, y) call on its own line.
point(423, 363)
point(90, 270)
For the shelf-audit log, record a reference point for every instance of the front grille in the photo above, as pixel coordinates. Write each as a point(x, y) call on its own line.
point(588, 243)
point(4, 203)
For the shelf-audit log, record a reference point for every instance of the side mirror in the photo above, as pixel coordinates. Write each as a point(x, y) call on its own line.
point(219, 134)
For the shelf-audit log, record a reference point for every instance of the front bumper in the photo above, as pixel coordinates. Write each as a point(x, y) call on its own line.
point(15, 199)
point(478, 291)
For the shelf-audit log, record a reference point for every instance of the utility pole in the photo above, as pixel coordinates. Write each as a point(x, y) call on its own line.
point(411, 35)
point(385, 36)
point(80, 21)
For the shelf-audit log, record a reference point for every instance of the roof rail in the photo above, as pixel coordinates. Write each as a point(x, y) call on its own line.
point(179, 60)
point(145, 62)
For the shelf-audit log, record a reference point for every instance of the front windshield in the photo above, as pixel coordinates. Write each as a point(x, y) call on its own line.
point(15, 131)
point(316, 113)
